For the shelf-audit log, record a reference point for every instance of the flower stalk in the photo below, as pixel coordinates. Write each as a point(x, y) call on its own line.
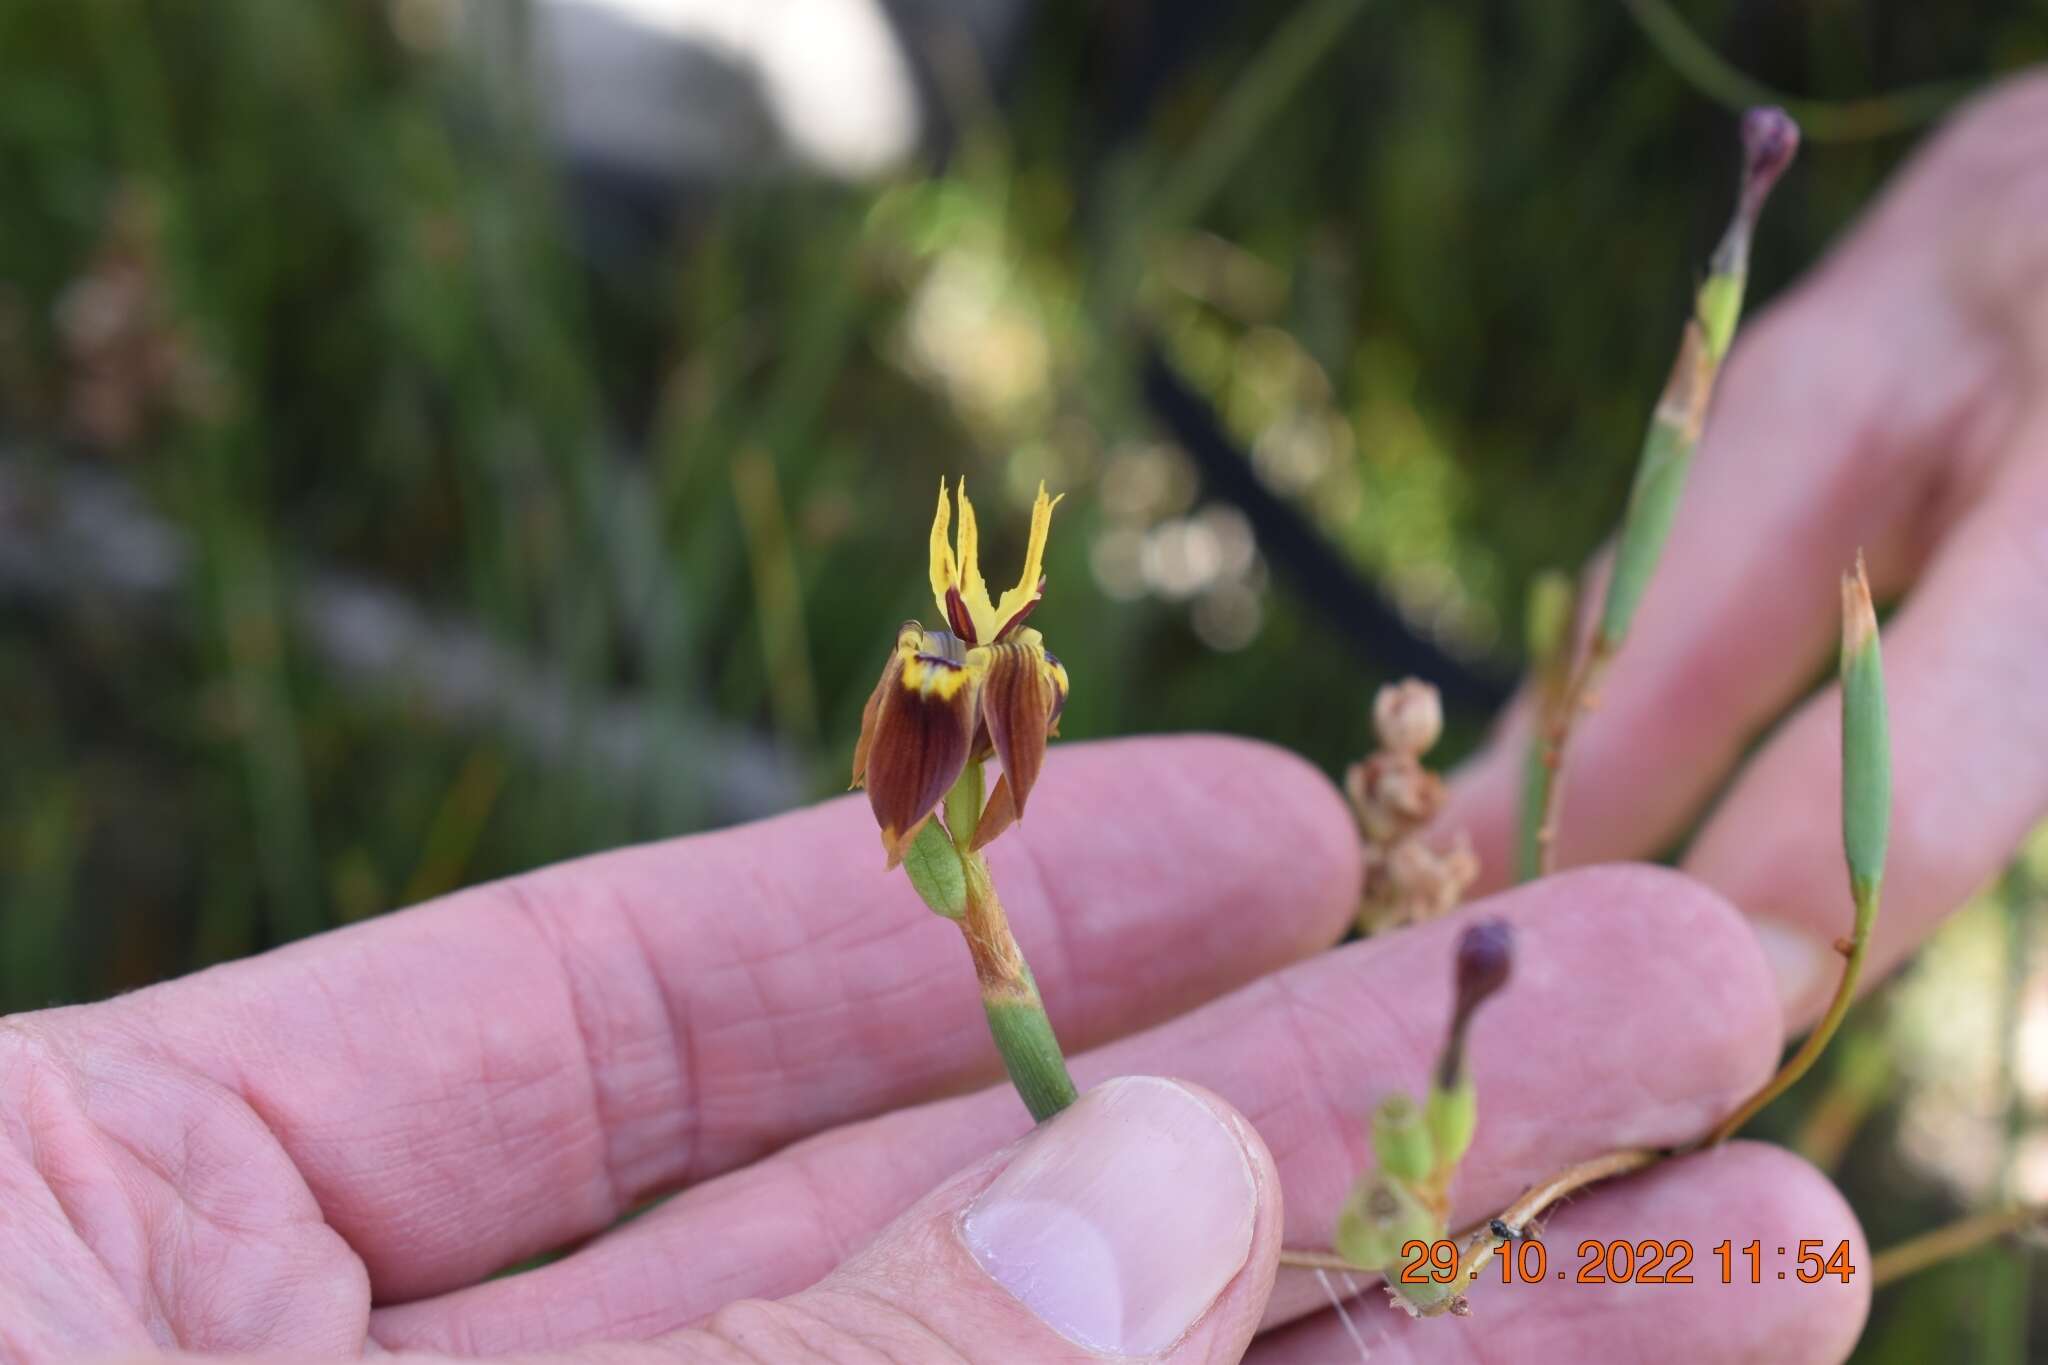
point(1931, 1249)
point(1866, 821)
point(1769, 140)
point(952, 877)
point(1553, 606)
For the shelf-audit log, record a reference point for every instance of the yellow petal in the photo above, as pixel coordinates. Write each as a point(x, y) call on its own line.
point(1019, 600)
point(973, 588)
point(945, 573)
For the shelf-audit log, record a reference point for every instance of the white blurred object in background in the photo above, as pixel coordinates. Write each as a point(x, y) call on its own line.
point(687, 89)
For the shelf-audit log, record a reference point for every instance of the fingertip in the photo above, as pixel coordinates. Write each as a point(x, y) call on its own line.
point(1142, 1221)
point(1757, 1192)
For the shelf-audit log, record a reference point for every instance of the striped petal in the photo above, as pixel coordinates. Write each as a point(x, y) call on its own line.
point(1021, 696)
point(924, 713)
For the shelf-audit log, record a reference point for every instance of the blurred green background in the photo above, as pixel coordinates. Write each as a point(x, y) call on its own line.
point(393, 497)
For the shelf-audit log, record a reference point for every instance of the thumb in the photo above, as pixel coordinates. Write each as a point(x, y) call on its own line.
point(1143, 1222)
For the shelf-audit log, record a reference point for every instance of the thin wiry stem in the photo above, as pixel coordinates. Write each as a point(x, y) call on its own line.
point(1707, 71)
point(1945, 1244)
point(1816, 1042)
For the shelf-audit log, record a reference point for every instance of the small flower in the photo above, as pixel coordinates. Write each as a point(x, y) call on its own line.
point(986, 684)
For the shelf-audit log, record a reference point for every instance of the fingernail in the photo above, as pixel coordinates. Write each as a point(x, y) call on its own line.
point(1120, 1221)
point(1798, 960)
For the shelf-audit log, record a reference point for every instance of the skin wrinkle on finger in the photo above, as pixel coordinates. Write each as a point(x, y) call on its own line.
point(431, 1073)
point(168, 1188)
point(1635, 981)
point(1740, 1192)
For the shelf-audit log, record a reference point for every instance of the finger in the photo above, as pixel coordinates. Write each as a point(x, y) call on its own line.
point(1640, 1011)
point(1964, 659)
point(511, 1068)
point(1741, 1194)
point(1142, 1222)
point(1864, 411)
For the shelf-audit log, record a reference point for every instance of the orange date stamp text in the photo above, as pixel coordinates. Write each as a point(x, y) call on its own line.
point(1649, 1261)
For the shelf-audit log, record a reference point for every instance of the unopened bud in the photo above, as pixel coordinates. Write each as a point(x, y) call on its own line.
point(1400, 1138)
point(1409, 716)
point(1486, 954)
point(1770, 138)
point(1866, 746)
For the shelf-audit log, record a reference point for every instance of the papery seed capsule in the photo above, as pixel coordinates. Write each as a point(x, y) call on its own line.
point(1408, 716)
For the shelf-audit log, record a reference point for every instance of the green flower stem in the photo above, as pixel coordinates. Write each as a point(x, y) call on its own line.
point(1553, 607)
point(1536, 776)
point(1009, 995)
point(1817, 1041)
point(1674, 434)
point(954, 881)
point(1866, 819)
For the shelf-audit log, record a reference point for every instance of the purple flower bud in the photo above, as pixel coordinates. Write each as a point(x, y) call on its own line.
point(1486, 956)
point(1486, 953)
point(1769, 140)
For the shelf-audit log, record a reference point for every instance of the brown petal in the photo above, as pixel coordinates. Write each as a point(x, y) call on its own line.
point(890, 672)
point(998, 815)
point(1018, 699)
point(923, 724)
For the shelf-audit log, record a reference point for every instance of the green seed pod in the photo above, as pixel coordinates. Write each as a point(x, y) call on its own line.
point(1379, 1218)
point(935, 870)
point(1453, 1116)
point(1866, 746)
point(1401, 1139)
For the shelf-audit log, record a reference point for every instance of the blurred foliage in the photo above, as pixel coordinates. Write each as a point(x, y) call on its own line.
point(307, 277)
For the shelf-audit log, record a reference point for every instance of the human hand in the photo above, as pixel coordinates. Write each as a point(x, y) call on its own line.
point(1897, 401)
point(326, 1150)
